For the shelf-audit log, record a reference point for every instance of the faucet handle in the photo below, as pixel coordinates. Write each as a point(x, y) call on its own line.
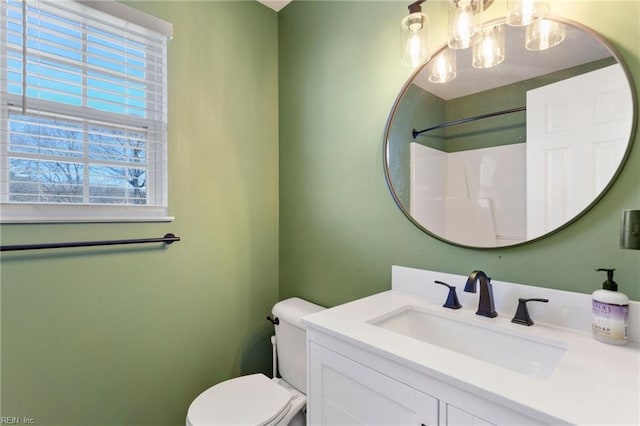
point(522, 313)
point(452, 298)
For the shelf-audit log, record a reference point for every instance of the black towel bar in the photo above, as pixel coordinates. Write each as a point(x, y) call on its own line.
point(167, 239)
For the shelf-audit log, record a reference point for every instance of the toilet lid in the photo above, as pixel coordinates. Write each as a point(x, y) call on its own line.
point(248, 400)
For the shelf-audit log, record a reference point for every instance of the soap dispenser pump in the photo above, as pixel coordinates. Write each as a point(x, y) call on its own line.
point(610, 311)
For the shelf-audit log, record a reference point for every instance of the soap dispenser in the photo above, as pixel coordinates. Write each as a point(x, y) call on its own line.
point(610, 311)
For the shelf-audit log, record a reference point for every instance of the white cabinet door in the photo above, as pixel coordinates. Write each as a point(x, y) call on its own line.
point(344, 392)
point(457, 417)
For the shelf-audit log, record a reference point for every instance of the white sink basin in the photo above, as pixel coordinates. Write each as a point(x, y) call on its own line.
point(491, 343)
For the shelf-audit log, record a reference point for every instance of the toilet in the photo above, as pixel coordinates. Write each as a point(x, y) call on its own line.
point(256, 399)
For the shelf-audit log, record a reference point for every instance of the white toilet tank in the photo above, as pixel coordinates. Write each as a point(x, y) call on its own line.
point(291, 343)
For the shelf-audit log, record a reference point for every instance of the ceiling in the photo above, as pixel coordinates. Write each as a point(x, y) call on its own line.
point(275, 4)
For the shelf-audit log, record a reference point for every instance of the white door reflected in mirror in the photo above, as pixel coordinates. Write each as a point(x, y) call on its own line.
point(580, 121)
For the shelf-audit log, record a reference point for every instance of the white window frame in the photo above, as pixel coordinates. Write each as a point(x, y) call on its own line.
point(11, 212)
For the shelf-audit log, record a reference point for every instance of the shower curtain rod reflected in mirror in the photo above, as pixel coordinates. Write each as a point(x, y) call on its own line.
point(417, 133)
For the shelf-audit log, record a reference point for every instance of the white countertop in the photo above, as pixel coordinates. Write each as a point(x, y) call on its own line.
point(594, 383)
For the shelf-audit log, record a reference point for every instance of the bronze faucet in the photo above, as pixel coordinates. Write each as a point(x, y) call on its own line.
point(485, 302)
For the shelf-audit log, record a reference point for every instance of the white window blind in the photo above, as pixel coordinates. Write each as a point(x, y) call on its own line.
point(83, 112)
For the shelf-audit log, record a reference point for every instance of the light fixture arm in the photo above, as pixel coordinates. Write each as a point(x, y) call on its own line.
point(486, 4)
point(416, 6)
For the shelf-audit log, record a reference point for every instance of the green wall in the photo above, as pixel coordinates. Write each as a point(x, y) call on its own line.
point(276, 127)
point(340, 230)
point(131, 335)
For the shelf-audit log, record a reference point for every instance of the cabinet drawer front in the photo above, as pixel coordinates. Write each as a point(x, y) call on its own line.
point(343, 391)
point(458, 417)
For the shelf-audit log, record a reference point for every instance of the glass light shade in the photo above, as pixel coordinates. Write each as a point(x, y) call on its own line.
point(442, 68)
point(544, 34)
point(489, 51)
point(414, 30)
point(524, 12)
point(465, 18)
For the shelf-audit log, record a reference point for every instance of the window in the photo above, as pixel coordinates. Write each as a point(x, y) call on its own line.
point(83, 112)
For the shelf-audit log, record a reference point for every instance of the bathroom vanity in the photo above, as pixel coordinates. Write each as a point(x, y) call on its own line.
point(400, 358)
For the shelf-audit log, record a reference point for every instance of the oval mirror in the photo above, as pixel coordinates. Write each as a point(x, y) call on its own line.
point(505, 155)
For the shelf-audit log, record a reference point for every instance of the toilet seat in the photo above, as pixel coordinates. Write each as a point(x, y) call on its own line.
point(247, 400)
